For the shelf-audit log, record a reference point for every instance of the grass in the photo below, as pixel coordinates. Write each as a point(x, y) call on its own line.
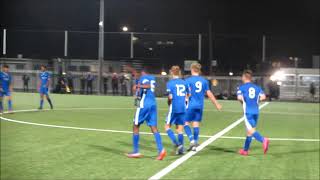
point(35, 152)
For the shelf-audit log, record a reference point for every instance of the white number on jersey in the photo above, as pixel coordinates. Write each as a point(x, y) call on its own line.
point(180, 90)
point(152, 85)
point(198, 86)
point(252, 93)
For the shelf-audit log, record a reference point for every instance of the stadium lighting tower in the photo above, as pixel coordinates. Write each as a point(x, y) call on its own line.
point(125, 28)
point(101, 45)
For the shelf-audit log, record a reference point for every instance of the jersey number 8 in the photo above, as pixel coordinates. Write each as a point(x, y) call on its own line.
point(252, 93)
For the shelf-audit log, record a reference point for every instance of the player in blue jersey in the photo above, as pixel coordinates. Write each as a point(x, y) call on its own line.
point(6, 87)
point(249, 95)
point(178, 92)
point(146, 112)
point(199, 87)
point(43, 86)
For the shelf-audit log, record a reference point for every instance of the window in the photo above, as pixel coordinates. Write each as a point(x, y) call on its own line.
point(20, 66)
point(306, 80)
point(288, 80)
point(84, 68)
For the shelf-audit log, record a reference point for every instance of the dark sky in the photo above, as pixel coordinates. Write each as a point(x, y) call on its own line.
point(292, 27)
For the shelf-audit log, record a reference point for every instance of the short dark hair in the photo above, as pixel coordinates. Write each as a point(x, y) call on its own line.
point(44, 66)
point(5, 66)
point(248, 73)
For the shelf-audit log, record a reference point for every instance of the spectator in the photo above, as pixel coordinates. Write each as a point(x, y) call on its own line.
point(82, 83)
point(123, 85)
point(25, 79)
point(89, 79)
point(105, 84)
point(114, 82)
point(312, 91)
point(70, 82)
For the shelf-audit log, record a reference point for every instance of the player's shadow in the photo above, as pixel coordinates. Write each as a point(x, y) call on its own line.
point(218, 150)
point(106, 149)
point(279, 154)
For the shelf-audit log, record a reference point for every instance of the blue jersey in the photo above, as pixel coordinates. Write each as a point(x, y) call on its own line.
point(147, 95)
point(198, 89)
point(44, 79)
point(5, 81)
point(251, 95)
point(178, 89)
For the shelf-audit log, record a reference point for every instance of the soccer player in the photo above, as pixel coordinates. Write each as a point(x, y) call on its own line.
point(5, 87)
point(249, 95)
point(146, 111)
point(178, 95)
point(43, 86)
point(199, 87)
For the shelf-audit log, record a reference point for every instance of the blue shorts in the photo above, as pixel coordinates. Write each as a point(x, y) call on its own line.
point(5, 93)
point(251, 120)
point(148, 114)
point(44, 90)
point(176, 118)
point(194, 115)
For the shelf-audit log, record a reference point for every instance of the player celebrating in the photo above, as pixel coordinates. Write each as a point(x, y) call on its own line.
point(199, 87)
point(146, 111)
point(249, 95)
point(178, 94)
point(43, 86)
point(5, 87)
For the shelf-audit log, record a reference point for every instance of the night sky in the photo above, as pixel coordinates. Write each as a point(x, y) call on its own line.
point(292, 27)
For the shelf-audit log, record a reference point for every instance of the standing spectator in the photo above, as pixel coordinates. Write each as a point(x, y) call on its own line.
point(89, 79)
point(114, 82)
point(312, 91)
point(82, 83)
point(105, 84)
point(70, 82)
point(25, 79)
point(122, 85)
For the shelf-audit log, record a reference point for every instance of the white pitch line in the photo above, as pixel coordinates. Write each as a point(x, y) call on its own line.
point(185, 157)
point(130, 132)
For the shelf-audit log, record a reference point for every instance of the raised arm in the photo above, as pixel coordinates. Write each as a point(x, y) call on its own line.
point(214, 100)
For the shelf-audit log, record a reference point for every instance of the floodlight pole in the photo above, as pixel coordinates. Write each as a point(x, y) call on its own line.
point(263, 48)
point(131, 45)
point(210, 46)
point(4, 47)
point(65, 43)
point(101, 45)
point(199, 46)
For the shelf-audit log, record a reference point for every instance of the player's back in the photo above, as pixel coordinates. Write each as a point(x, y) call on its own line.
point(251, 97)
point(5, 79)
point(198, 88)
point(178, 88)
point(44, 77)
point(147, 95)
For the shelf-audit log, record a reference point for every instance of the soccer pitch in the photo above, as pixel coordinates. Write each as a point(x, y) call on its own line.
point(85, 137)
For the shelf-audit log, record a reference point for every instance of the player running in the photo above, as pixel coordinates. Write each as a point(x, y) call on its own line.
point(43, 86)
point(199, 87)
point(6, 87)
point(249, 95)
point(178, 94)
point(146, 111)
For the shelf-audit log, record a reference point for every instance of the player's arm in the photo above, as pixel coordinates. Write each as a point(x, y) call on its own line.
point(262, 96)
point(214, 100)
point(240, 96)
point(11, 84)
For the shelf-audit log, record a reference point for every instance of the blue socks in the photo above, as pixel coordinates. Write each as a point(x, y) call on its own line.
point(247, 143)
point(180, 139)
point(157, 137)
point(187, 130)
point(196, 134)
point(135, 143)
point(9, 105)
point(172, 137)
point(41, 103)
point(258, 136)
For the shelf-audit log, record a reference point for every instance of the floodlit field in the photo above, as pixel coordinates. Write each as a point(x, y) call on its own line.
point(80, 145)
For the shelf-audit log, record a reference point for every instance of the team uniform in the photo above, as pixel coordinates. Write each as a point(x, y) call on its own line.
point(178, 89)
point(198, 88)
point(44, 78)
point(147, 108)
point(146, 112)
point(5, 83)
point(251, 95)
point(250, 98)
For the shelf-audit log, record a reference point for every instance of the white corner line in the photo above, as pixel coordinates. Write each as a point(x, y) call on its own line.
point(185, 157)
